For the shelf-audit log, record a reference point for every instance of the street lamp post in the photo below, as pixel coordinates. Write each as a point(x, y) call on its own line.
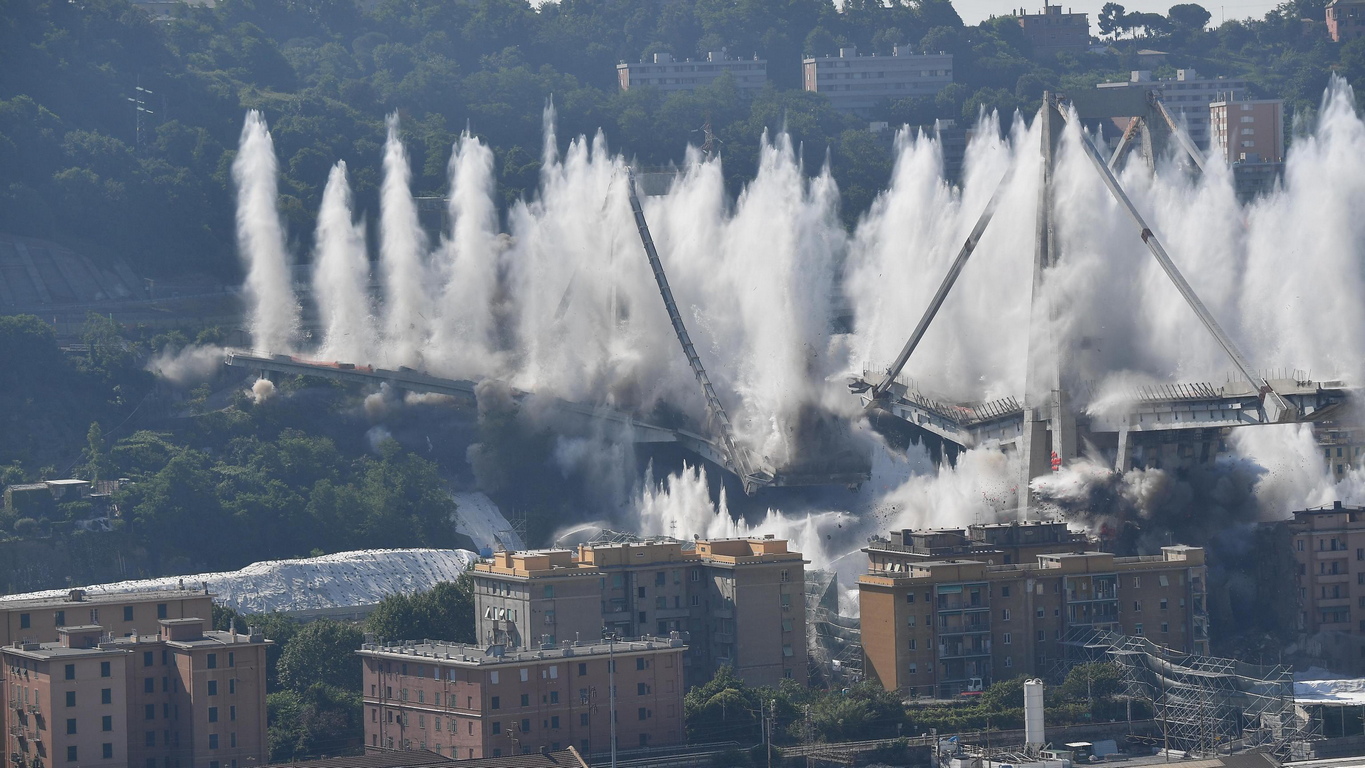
point(610, 637)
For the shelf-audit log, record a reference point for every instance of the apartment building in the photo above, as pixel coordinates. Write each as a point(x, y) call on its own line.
point(182, 697)
point(942, 627)
point(856, 83)
point(40, 619)
point(1341, 443)
point(1345, 20)
point(476, 702)
point(669, 76)
point(1248, 131)
point(1188, 96)
point(738, 600)
point(1052, 32)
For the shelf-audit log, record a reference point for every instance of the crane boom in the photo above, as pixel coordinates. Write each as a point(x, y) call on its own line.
point(720, 421)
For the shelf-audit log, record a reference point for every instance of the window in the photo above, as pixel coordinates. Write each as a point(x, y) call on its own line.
point(1041, 635)
point(909, 597)
point(232, 686)
point(1137, 629)
point(554, 697)
point(1040, 613)
point(161, 610)
point(1009, 661)
point(641, 663)
point(213, 714)
point(525, 674)
point(70, 671)
point(526, 725)
point(232, 659)
point(583, 719)
point(105, 671)
point(71, 725)
point(24, 622)
point(1137, 606)
point(107, 751)
point(914, 668)
point(1006, 638)
point(582, 669)
point(232, 712)
point(554, 721)
point(213, 741)
point(147, 658)
point(914, 644)
point(149, 739)
point(696, 600)
point(785, 576)
point(525, 700)
point(641, 689)
point(1164, 580)
point(59, 618)
point(786, 601)
point(787, 624)
point(71, 698)
point(549, 591)
point(127, 613)
point(644, 713)
point(496, 703)
point(1165, 627)
point(149, 712)
point(213, 661)
point(213, 687)
point(71, 754)
point(107, 696)
point(493, 677)
point(1137, 582)
point(695, 574)
point(1004, 614)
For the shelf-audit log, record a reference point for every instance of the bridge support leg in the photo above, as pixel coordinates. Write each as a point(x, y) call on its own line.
point(1044, 426)
point(1125, 449)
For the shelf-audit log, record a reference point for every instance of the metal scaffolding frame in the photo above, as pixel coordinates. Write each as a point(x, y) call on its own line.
point(1206, 705)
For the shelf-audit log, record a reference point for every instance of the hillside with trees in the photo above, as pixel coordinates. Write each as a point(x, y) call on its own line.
point(79, 166)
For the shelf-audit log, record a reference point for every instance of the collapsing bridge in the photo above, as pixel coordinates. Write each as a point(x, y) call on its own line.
point(1049, 427)
point(828, 440)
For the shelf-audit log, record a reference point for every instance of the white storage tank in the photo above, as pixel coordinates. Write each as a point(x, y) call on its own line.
point(1033, 713)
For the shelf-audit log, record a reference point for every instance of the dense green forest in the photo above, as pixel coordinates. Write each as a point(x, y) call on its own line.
point(78, 163)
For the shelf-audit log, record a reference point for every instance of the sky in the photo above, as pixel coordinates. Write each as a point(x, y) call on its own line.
point(974, 11)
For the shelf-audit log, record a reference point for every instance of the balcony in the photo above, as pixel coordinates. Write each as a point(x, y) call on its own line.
point(965, 629)
point(961, 605)
point(671, 613)
point(963, 650)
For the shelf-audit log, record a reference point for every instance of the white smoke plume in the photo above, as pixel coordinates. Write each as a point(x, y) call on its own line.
point(341, 274)
point(681, 507)
point(402, 256)
point(261, 390)
point(188, 365)
point(463, 341)
point(272, 309)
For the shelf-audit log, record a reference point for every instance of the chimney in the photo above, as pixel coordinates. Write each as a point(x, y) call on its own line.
point(76, 595)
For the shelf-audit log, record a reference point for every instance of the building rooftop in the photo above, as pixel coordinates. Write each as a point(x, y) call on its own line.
point(459, 653)
point(96, 598)
point(393, 758)
point(1065, 562)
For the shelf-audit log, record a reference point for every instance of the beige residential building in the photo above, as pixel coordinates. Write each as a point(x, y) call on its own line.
point(1052, 32)
point(39, 619)
point(1248, 131)
point(738, 600)
point(665, 74)
point(178, 698)
point(856, 83)
point(944, 627)
point(476, 702)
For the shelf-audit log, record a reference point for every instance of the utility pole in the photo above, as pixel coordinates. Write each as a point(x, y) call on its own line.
point(611, 682)
point(772, 719)
point(139, 109)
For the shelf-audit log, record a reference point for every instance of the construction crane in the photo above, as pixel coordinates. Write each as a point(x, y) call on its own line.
point(739, 457)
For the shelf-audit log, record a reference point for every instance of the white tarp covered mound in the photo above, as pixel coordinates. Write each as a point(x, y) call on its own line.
point(1349, 691)
point(342, 580)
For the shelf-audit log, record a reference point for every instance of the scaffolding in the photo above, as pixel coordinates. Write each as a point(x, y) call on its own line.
point(1207, 705)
